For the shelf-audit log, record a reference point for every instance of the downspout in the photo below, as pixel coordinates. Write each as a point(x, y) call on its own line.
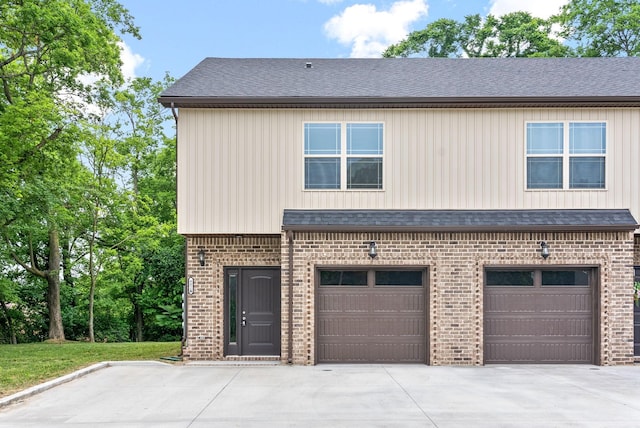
point(290, 300)
point(185, 294)
point(175, 116)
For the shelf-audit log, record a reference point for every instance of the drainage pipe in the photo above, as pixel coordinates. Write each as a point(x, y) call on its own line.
point(290, 300)
point(185, 305)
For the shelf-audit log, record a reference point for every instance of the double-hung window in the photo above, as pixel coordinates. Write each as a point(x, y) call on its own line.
point(566, 155)
point(343, 155)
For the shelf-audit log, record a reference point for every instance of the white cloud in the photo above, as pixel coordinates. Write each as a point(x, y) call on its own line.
point(130, 61)
point(537, 8)
point(370, 31)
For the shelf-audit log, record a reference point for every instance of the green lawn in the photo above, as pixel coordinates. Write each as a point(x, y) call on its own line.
point(22, 366)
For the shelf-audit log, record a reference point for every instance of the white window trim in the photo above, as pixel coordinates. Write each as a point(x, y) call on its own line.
point(344, 156)
point(566, 156)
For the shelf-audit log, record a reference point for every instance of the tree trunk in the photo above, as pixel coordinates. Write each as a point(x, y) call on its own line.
point(92, 337)
point(139, 317)
point(12, 333)
point(56, 330)
point(92, 291)
point(137, 308)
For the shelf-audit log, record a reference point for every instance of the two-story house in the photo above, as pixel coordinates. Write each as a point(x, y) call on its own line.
point(435, 211)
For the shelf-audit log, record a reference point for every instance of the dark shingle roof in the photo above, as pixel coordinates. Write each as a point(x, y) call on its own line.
point(407, 81)
point(458, 220)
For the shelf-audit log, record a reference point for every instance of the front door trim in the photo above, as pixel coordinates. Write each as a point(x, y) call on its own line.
point(240, 320)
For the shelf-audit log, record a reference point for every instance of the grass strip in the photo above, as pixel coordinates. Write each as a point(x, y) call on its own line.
point(26, 365)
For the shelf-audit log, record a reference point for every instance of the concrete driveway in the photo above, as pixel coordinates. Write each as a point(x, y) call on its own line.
point(162, 395)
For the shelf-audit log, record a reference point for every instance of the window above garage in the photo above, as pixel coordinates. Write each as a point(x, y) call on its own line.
point(343, 156)
point(566, 155)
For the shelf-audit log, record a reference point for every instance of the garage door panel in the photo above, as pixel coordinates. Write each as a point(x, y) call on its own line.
point(536, 323)
point(343, 326)
point(343, 352)
point(510, 301)
point(565, 303)
point(535, 352)
point(393, 302)
point(543, 327)
point(340, 301)
point(394, 327)
point(373, 324)
point(361, 352)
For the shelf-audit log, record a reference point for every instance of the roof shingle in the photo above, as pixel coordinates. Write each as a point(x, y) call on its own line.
point(227, 81)
point(459, 220)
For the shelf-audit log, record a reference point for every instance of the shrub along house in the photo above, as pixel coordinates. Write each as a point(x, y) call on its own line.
point(435, 211)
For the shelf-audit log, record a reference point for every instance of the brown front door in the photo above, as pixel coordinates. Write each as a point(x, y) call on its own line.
point(252, 311)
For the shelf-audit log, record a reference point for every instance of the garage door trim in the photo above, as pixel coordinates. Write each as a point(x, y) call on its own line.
point(381, 292)
point(594, 285)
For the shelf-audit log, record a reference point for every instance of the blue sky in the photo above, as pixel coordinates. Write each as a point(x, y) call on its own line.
point(176, 35)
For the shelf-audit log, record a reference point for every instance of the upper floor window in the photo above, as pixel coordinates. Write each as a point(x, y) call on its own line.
point(343, 155)
point(566, 155)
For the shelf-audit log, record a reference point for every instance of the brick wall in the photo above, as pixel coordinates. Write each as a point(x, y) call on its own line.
point(205, 307)
point(455, 263)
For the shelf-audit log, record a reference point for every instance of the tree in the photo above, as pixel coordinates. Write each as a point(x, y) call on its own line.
point(475, 33)
point(519, 34)
point(150, 168)
point(439, 39)
point(602, 27)
point(6, 316)
point(516, 34)
point(45, 46)
point(161, 296)
point(101, 198)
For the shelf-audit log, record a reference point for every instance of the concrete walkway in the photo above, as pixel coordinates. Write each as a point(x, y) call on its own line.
point(162, 395)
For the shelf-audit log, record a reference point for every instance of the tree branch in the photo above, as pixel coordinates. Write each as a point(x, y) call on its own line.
point(7, 93)
point(55, 134)
point(31, 269)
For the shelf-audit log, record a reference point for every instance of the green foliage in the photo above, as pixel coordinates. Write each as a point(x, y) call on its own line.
point(87, 188)
point(519, 34)
point(112, 319)
point(439, 39)
point(161, 298)
point(602, 27)
point(49, 43)
point(581, 27)
point(26, 311)
point(516, 34)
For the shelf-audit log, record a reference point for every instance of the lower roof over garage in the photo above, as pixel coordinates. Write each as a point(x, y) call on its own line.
point(459, 220)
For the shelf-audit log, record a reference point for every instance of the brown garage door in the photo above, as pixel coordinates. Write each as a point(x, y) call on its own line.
point(538, 316)
point(374, 316)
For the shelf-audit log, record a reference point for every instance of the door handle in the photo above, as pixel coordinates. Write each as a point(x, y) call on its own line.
point(244, 321)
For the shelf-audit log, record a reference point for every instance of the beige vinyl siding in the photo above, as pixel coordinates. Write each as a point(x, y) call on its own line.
point(238, 169)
